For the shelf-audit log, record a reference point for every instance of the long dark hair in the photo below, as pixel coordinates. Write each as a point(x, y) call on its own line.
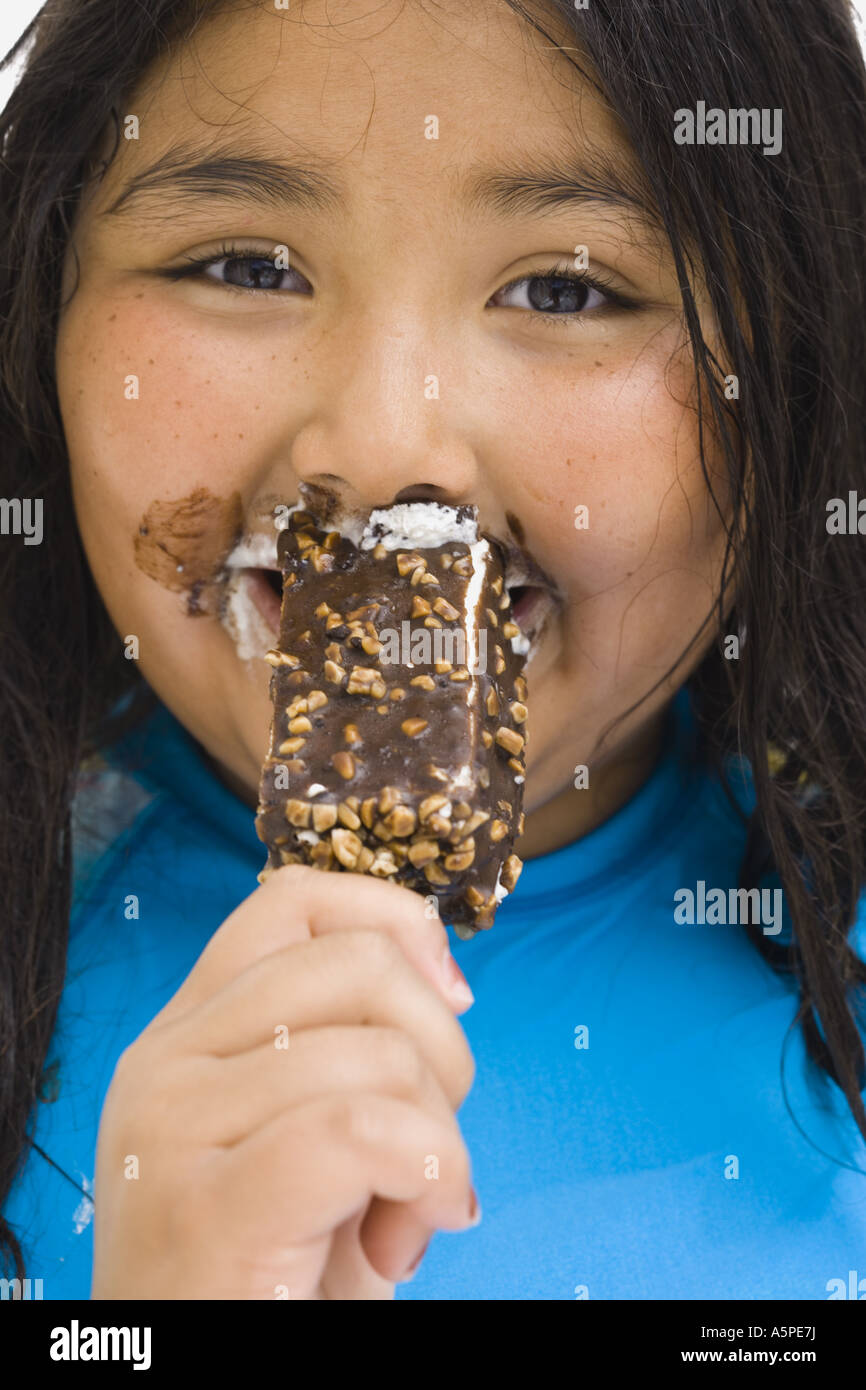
point(778, 242)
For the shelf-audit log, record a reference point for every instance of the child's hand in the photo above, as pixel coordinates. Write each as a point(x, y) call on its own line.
point(312, 1171)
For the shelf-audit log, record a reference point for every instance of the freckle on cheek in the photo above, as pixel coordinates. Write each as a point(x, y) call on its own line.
point(183, 543)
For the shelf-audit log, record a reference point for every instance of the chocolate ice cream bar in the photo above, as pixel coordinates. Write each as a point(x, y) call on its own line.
point(399, 728)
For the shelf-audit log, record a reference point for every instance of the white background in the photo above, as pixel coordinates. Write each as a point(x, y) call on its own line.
point(15, 15)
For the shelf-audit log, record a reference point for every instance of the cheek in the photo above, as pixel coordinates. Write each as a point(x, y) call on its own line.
point(606, 462)
point(150, 403)
point(165, 436)
point(167, 461)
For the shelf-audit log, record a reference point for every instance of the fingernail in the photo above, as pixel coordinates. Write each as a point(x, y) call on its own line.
point(413, 1268)
point(455, 981)
point(474, 1209)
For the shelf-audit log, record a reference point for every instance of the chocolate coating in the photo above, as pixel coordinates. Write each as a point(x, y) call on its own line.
point(394, 751)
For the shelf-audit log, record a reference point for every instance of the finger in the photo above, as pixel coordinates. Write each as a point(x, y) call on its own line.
point(297, 903)
point(347, 978)
point(376, 1147)
point(393, 1238)
point(237, 1095)
point(348, 1275)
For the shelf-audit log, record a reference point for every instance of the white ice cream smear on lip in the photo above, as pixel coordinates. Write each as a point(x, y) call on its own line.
point(243, 622)
point(254, 553)
point(240, 617)
point(417, 524)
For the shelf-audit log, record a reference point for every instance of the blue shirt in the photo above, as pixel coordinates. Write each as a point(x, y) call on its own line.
point(628, 1128)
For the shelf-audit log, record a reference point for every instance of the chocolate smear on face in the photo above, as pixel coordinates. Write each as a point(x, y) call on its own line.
point(321, 500)
point(183, 543)
point(516, 528)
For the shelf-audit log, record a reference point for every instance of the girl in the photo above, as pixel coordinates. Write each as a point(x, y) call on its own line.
point(596, 269)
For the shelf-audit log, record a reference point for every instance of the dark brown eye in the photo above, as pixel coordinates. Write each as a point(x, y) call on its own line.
point(253, 273)
point(557, 294)
point(552, 295)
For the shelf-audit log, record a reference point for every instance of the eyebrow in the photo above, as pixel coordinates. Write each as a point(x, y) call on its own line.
point(246, 178)
point(532, 191)
point(544, 188)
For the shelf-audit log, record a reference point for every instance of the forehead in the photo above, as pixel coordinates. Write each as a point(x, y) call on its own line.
point(410, 88)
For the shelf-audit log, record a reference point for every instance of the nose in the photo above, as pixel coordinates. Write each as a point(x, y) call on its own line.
point(390, 423)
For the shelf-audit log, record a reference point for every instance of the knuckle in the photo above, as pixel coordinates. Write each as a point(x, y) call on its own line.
point(403, 1060)
point(375, 951)
point(358, 1121)
point(150, 1090)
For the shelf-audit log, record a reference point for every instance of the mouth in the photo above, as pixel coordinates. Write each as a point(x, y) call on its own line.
point(255, 590)
point(252, 599)
point(534, 595)
point(265, 587)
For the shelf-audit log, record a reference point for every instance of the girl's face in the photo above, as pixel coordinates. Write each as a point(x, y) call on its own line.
point(423, 173)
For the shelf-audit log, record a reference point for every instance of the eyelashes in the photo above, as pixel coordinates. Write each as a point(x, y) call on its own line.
point(586, 294)
point(197, 266)
point(572, 285)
